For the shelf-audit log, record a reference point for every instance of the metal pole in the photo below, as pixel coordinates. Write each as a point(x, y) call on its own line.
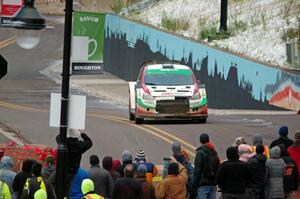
point(223, 19)
point(62, 151)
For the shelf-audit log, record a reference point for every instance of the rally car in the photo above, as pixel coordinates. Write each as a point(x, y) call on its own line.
point(167, 90)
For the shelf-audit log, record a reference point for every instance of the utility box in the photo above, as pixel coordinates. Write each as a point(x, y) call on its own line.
point(293, 53)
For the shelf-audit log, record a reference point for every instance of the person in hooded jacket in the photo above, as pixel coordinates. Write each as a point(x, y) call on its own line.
point(88, 190)
point(22, 176)
point(204, 185)
point(294, 152)
point(148, 191)
point(7, 174)
point(290, 179)
point(75, 191)
point(233, 176)
point(275, 173)
point(141, 158)
point(256, 187)
point(283, 138)
point(258, 139)
point(126, 159)
point(107, 163)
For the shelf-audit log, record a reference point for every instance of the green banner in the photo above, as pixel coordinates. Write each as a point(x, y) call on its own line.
point(87, 42)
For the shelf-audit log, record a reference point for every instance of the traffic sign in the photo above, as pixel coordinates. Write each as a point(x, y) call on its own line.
point(3, 67)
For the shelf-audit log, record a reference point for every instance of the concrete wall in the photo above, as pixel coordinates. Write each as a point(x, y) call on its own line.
point(232, 82)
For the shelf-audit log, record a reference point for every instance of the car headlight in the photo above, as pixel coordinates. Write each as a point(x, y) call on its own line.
point(203, 92)
point(196, 96)
point(147, 96)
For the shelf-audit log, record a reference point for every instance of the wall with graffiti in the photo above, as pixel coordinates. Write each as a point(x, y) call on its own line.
point(232, 82)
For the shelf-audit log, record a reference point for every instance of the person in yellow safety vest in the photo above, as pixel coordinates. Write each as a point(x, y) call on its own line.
point(88, 190)
point(258, 139)
point(4, 190)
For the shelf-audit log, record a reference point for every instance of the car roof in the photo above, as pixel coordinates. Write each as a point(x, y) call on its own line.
point(169, 66)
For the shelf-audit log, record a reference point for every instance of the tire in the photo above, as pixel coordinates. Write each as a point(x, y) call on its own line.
point(200, 120)
point(139, 120)
point(131, 116)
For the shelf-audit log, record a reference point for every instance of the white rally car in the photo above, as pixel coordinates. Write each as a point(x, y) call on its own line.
point(167, 90)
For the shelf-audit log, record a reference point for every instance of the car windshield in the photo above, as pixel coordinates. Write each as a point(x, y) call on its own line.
point(169, 77)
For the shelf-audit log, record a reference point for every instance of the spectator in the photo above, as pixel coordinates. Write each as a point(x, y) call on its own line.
point(183, 158)
point(290, 179)
point(258, 139)
point(75, 191)
point(7, 174)
point(256, 187)
point(294, 152)
point(275, 173)
point(88, 190)
point(283, 139)
point(107, 163)
point(35, 183)
point(101, 178)
point(50, 167)
point(245, 152)
point(126, 159)
point(148, 191)
point(233, 176)
point(206, 166)
point(141, 158)
point(116, 164)
point(5, 192)
point(127, 187)
point(21, 177)
point(238, 141)
point(174, 185)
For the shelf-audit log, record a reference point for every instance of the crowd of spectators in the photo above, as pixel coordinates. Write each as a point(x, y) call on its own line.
point(251, 171)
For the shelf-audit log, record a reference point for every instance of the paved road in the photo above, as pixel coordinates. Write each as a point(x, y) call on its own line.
point(24, 105)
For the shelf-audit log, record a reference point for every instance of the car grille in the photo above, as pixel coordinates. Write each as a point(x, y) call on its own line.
point(180, 105)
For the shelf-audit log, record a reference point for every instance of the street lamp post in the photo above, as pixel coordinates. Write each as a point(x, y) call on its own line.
point(223, 18)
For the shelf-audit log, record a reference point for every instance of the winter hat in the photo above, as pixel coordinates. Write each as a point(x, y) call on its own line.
point(173, 169)
point(36, 169)
point(176, 148)
point(142, 169)
point(259, 149)
point(232, 153)
point(257, 139)
point(116, 164)
point(50, 160)
point(275, 152)
point(73, 133)
point(297, 137)
point(87, 186)
point(126, 156)
point(140, 156)
point(107, 162)
point(204, 138)
point(94, 160)
point(238, 141)
point(283, 131)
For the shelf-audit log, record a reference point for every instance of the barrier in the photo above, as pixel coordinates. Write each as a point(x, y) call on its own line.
point(232, 82)
point(48, 1)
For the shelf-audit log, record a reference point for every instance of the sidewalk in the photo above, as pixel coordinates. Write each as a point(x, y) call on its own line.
point(109, 87)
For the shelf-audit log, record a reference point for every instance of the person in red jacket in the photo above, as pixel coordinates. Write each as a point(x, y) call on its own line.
point(294, 152)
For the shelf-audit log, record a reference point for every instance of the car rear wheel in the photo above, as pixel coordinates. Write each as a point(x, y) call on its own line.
point(201, 120)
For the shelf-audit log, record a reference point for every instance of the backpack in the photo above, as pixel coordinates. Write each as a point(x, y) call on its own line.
point(211, 165)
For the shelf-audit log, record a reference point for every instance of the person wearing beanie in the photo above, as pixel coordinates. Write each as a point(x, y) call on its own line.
point(258, 139)
point(107, 164)
point(141, 158)
point(21, 177)
point(148, 191)
point(233, 175)
point(7, 174)
point(275, 174)
point(283, 138)
point(206, 162)
point(37, 182)
point(126, 159)
point(88, 190)
point(257, 163)
point(127, 187)
point(290, 179)
point(50, 167)
point(183, 158)
point(294, 152)
point(174, 185)
point(102, 179)
point(116, 164)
